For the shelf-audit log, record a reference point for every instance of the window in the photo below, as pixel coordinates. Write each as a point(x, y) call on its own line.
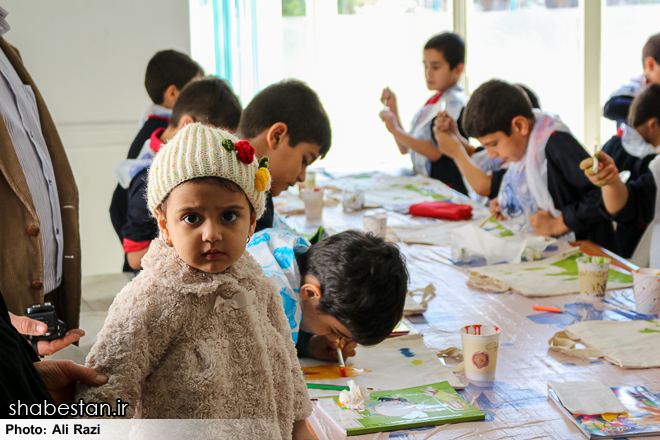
point(535, 43)
point(626, 26)
point(348, 52)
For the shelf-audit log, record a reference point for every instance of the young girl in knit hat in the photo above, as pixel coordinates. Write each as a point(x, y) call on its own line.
point(201, 332)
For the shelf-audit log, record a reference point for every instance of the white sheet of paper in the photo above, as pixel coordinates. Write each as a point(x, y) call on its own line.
point(590, 398)
point(395, 363)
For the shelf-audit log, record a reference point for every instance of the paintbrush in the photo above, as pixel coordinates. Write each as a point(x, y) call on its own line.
point(594, 166)
point(342, 364)
point(487, 220)
point(386, 108)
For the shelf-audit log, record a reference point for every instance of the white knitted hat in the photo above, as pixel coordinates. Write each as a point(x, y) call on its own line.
point(201, 151)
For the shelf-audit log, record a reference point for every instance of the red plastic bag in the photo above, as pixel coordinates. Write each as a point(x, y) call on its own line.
point(443, 210)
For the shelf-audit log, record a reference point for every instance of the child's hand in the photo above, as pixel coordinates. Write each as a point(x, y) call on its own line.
point(389, 118)
point(495, 209)
point(301, 432)
point(448, 143)
point(388, 98)
point(322, 348)
point(607, 170)
point(544, 223)
point(445, 122)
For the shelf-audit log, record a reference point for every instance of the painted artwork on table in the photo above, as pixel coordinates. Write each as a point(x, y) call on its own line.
point(642, 418)
point(552, 276)
point(331, 372)
point(623, 343)
point(395, 363)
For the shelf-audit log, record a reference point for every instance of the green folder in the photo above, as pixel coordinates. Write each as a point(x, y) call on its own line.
point(416, 407)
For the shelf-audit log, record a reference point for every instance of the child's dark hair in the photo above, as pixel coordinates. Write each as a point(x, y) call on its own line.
point(533, 97)
point(450, 45)
point(364, 282)
point(295, 104)
point(652, 48)
point(646, 106)
point(493, 106)
point(208, 100)
point(169, 67)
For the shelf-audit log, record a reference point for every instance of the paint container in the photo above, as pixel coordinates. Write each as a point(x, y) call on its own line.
point(313, 200)
point(375, 223)
point(480, 346)
point(592, 273)
point(646, 285)
point(352, 200)
point(310, 180)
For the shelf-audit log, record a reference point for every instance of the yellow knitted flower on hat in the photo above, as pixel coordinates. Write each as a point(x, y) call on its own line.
point(262, 177)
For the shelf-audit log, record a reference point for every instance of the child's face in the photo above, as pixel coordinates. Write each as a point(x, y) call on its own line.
point(439, 76)
point(652, 70)
point(508, 148)
point(288, 165)
point(208, 224)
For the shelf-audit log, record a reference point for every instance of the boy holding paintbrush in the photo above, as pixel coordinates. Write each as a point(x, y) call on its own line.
point(345, 290)
point(540, 190)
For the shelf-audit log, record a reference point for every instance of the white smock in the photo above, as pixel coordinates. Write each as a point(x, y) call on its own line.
point(530, 175)
point(654, 167)
point(453, 100)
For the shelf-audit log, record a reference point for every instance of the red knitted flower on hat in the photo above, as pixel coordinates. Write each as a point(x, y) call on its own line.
point(244, 151)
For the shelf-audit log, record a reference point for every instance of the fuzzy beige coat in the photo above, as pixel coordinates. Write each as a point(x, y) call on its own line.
point(180, 343)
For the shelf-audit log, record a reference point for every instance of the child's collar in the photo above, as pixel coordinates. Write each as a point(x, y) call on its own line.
point(172, 272)
point(155, 143)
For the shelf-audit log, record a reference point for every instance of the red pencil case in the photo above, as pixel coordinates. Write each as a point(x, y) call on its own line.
point(444, 210)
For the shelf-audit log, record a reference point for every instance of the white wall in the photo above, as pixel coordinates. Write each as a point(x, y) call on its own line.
point(88, 60)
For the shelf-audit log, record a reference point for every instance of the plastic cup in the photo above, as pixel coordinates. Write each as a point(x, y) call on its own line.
point(646, 285)
point(313, 200)
point(310, 180)
point(352, 200)
point(375, 223)
point(480, 346)
point(592, 273)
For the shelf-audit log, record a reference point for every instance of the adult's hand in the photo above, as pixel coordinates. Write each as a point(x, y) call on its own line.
point(32, 327)
point(322, 348)
point(61, 376)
